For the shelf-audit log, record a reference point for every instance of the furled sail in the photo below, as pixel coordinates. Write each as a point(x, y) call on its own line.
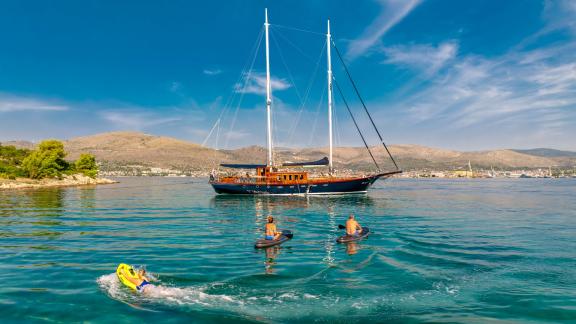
point(323, 161)
point(242, 166)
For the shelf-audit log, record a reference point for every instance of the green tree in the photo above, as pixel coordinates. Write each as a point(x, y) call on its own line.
point(46, 161)
point(12, 155)
point(87, 165)
point(10, 161)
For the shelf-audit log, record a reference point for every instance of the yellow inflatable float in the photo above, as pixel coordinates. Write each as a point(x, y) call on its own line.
point(125, 271)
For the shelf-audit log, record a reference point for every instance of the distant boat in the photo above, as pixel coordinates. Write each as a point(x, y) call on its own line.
point(284, 178)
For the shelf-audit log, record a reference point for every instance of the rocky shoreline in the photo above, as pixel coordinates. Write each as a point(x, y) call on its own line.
point(66, 181)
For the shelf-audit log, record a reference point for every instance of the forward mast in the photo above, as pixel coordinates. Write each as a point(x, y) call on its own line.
point(268, 94)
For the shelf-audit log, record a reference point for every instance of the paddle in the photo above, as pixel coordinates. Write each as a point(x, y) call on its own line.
point(287, 233)
point(340, 226)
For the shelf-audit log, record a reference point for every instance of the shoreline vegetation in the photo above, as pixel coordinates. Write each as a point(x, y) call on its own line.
point(46, 166)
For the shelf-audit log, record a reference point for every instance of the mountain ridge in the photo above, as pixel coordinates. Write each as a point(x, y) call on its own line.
point(546, 152)
point(136, 148)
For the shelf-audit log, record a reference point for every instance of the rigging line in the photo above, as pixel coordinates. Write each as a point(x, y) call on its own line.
point(275, 138)
point(296, 47)
point(211, 130)
point(287, 69)
point(316, 116)
point(216, 123)
point(242, 75)
point(337, 126)
point(355, 124)
point(306, 96)
point(363, 104)
point(298, 29)
point(218, 137)
point(242, 93)
point(231, 98)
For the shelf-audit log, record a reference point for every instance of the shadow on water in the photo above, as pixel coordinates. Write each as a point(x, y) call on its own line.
point(275, 203)
point(49, 201)
point(88, 197)
point(29, 209)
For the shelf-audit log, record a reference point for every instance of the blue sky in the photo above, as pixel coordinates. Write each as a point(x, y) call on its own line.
point(466, 75)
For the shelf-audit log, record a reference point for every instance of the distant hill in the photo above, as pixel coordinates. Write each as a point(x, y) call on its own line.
point(19, 144)
point(127, 148)
point(545, 152)
point(135, 148)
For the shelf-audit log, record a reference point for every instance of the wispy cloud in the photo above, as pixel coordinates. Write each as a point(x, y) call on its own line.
point(476, 90)
point(560, 14)
point(427, 58)
point(175, 87)
point(11, 103)
point(212, 71)
point(237, 134)
point(392, 12)
point(256, 83)
point(136, 120)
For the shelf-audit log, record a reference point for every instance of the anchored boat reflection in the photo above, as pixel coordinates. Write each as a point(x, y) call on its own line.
point(268, 203)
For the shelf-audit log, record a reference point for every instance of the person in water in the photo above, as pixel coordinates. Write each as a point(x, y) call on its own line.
point(352, 226)
point(142, 282)
point(271, 231)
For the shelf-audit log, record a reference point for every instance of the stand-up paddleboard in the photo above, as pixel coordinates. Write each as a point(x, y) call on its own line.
point(351, 238)
point(263, 243)
point(124, 271)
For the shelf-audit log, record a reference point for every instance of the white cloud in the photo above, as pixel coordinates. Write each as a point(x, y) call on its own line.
point(427, 58)
point(10, 103)
point(137, 120)
point(479, 91)
point(256, 83)
point(393, 11)
point(212, 71)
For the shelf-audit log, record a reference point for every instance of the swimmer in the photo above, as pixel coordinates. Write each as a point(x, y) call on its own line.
point(141, 281)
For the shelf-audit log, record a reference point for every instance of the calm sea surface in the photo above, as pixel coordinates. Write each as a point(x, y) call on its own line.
point(441, 250)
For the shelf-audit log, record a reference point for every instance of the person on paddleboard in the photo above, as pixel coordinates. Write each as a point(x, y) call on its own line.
point(271, 231)
point(141, 281)
point(352, 226)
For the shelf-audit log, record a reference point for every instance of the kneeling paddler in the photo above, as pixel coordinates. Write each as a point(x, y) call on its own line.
point(352, 226)
point(271, 231)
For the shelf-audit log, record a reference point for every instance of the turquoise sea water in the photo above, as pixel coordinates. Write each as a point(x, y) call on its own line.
point(441, 250)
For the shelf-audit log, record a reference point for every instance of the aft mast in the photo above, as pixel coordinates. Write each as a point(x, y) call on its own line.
point(329, 62)
point(268, 94)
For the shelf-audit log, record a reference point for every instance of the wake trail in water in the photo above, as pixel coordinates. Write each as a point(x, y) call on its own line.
point(162, 294)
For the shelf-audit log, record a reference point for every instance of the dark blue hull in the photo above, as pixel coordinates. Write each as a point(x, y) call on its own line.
point(357, 185)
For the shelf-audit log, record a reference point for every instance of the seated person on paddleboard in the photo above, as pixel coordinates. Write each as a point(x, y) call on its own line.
point(271, 231)
point(352, 226)
point(142, 282)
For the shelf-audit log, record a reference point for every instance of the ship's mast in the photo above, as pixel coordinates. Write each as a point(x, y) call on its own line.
point(329, 62)
point(268, 94)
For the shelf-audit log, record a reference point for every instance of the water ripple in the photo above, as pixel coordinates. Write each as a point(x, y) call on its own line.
point(457, 251)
